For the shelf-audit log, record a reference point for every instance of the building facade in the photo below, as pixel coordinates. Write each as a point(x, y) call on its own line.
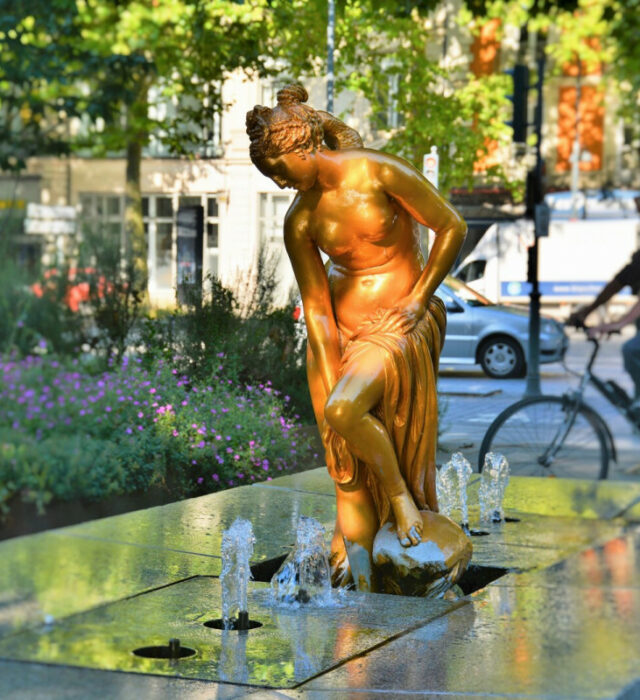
point(243, 210)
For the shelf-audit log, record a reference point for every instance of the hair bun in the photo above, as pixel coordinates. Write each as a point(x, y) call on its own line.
point(292, 94)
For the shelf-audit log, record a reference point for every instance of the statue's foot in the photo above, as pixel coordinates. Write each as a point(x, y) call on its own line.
point(339, 563)
point(408, 519)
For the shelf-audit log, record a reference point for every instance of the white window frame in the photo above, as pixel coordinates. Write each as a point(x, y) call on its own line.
point(151, 220)
point(94, 218)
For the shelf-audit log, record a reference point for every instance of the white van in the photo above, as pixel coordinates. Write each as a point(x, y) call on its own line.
point(575, 261)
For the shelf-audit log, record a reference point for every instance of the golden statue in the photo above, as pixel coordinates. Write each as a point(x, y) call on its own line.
point(375, 328)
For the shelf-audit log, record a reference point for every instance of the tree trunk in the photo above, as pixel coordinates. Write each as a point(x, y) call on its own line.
point(136, 244)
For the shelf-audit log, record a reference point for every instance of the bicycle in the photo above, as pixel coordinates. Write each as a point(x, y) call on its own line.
point(560, 435)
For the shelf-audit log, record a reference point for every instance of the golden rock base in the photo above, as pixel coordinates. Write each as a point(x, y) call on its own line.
point(427, 569)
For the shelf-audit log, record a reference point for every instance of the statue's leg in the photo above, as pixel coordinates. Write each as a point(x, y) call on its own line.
point(339, 563)
point(348, 412)
point(358, 524)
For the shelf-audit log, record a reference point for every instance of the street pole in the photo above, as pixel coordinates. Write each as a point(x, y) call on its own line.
point(574, 159)
point(535, 200)
point(331, 31)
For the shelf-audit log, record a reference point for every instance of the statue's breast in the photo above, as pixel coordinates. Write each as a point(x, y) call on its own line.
point(344, 220)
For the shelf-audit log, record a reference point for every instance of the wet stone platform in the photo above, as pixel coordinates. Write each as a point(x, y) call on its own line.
point(552, 607)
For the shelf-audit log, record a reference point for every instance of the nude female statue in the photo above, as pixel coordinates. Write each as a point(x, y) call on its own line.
point(375, 328)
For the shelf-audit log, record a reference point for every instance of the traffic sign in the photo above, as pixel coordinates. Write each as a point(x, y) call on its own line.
point(430, 166)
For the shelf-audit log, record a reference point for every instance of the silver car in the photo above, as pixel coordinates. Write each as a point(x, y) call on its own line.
point(494, 336)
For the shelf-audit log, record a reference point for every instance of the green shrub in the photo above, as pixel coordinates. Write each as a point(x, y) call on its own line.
point(260, 341)
point(67, 434)
point(87, 303)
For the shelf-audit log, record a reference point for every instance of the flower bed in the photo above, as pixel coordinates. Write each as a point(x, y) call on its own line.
point(68, 434)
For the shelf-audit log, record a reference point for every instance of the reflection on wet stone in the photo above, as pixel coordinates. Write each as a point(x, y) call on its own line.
point(568, 626)
point(232, 663)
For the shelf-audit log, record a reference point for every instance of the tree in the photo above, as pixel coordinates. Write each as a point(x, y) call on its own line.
point(624, 32)
point(583, 32)
point(42, 63)
point(382, 54)
point(183, 49)
point(98, 60)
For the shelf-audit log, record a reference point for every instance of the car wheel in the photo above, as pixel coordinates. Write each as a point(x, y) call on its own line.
point(502, 358)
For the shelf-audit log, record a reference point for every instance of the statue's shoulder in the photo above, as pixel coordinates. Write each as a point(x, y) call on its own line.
point(297, 217)
point(378, 161)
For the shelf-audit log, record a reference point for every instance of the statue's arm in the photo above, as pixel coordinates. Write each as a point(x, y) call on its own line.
point(426, 205)
point(322, 331)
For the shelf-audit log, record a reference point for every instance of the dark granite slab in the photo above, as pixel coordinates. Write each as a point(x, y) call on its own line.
point(289, 647)
point(512, 641)
point(196, 525)
point(52, 576)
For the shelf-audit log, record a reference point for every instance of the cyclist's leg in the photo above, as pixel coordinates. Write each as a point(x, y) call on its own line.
point(631, 355)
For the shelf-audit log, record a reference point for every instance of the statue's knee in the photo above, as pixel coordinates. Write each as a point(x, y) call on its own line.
point(339, 414)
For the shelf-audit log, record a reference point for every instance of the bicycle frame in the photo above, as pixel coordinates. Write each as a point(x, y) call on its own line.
point(575, 398)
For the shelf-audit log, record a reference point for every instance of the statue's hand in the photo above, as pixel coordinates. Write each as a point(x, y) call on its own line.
point(411, 312)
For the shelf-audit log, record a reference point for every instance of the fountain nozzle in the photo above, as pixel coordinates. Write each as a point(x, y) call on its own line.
point(243, 620)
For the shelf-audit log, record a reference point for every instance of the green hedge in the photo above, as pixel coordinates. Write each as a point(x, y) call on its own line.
point(66, 433)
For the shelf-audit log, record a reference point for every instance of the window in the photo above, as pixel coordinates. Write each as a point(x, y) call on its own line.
point(160, 220)
point(103, 213)
point(211, 231)
point(472, 271)
point(269, 90)
point(386, 116)
point(165, 109)
point(273, 208)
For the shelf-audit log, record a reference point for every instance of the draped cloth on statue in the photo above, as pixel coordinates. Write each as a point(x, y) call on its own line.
point(408, 409)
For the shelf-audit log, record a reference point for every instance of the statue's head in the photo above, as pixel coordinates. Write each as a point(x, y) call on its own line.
point(283, 138)
point(290, 127)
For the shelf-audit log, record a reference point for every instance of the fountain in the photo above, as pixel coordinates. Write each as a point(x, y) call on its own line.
point(374, 340)
point(494, 480)
point(451, 488)
point(305, 575)
point(237, 549)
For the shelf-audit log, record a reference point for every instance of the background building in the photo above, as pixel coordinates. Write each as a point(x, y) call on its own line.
point(243, 210)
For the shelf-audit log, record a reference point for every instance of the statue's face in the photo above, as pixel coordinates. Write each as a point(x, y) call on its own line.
point(291, 170)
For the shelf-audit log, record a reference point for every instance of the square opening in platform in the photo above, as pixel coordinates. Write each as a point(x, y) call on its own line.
point(474, 578)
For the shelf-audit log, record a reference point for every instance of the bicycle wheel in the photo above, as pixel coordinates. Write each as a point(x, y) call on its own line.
point(542, 436)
